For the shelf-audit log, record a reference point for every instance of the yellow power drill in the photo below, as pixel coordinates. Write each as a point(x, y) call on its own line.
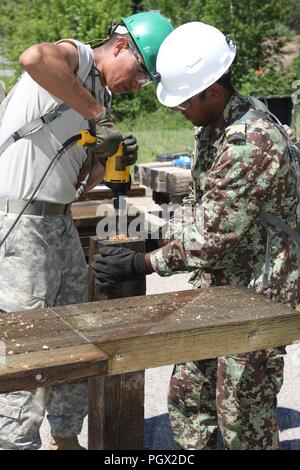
point(117, 178)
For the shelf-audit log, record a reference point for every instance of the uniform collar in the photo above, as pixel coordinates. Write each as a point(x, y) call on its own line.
point(236, 106)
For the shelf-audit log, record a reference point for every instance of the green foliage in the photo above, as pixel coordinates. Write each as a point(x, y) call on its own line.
point(160, 132)
point(271, 81)
point(293, 17)
point(252, 23)
point(161, 118)
point(26, 22)
point(179, 11)
point(133, 104)
point(249, 22)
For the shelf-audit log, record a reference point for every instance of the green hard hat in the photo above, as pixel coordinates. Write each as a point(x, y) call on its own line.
point(148, 30)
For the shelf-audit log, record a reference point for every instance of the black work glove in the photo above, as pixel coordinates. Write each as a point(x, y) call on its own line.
point(107, 135)
point(130, 148)
point(113, 265)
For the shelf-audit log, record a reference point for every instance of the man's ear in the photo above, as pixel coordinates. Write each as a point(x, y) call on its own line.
point(120, 45)
point(214, 92)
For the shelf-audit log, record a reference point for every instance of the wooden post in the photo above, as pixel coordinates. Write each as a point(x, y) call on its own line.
point(116, 404)
point(116, 412)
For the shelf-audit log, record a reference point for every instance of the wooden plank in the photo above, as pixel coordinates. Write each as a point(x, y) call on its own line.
point(121, 336)
point(209, 342)
point(168, 183)
point(144, 172)
point(178, 183)
point(36, 330)
point(100, 314)
point(102, 192)
point(58, 326)
point(29, 371)
point(131, 414)
point(216, 321)
point(162, 329)
point(122, 318)
point(116, 412)
point(88, 213)
point(158, 179)
point(164, 178)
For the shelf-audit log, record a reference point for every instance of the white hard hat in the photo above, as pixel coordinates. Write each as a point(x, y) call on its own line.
point(191, 58)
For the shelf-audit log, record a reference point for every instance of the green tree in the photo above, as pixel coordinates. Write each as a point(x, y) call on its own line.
point(272, 82)
point(293, 17)
point(26, 22)
point(251, 23)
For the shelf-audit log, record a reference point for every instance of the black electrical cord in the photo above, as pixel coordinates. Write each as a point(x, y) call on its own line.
point(68, 142)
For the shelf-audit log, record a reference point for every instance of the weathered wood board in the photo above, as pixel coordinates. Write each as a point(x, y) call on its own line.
point(41, 368)
point(148, 331)
point(162, 177)
point(101, 192)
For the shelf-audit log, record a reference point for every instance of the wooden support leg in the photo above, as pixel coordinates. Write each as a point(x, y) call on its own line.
point(116, 412)
point(116, 404)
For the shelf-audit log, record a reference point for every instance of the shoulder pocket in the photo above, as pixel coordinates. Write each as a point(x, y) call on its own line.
point(236, 134)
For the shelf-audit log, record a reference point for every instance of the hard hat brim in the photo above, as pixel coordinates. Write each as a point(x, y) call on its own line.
point(167, 98)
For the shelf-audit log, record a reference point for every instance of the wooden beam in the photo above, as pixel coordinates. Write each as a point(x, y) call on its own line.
point(147, 331)
point(178, 183)
point(217, 322)
point(112, 341)
point(204, 343)
point(87, 214)
point(164, 178)
point(102, 192)
point(29, 371)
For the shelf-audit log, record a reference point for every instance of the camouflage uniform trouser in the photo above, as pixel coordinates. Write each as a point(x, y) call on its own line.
point(41, 265)
point(235, 394)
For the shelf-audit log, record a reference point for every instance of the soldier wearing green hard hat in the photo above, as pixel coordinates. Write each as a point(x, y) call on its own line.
point(66, 87)
point(148, 30)
point(142, 35)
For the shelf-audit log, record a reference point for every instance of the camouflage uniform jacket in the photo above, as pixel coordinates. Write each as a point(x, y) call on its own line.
point(239, 171)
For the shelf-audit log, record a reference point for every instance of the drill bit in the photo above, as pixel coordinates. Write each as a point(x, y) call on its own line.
point(120, 211)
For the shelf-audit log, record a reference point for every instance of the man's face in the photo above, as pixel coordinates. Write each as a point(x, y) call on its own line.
point(125, 71)
point(200, 109)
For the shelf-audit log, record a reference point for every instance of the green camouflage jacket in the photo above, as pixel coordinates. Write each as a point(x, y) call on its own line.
point(239, 171)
